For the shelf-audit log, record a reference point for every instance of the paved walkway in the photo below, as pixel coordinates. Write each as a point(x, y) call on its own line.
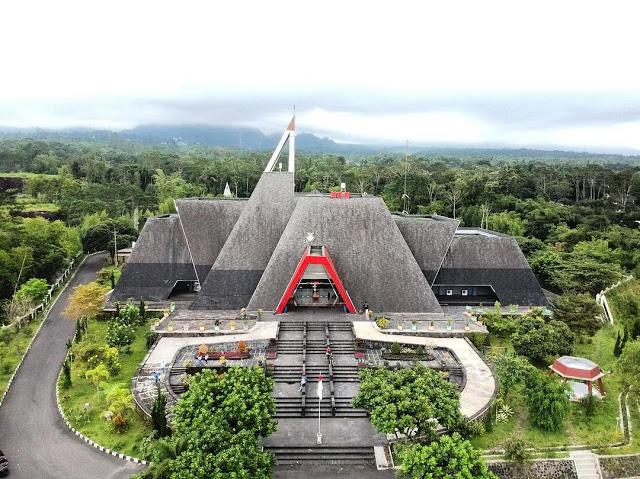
point(32, 434)
point(144, 385)
point(480, 385)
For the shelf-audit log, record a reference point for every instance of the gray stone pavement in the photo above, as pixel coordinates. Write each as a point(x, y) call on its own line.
point(32, 434)
point(329, 472)
point(336, 431)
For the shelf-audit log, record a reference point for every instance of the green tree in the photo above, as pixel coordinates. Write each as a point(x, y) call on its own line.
point(446, 457)
point(539, 341)
point(579, 311)
point(34, 290)
point(159, 414)
point(511, 371)
point(408, 401)
point(97, 375)
point(547, 399)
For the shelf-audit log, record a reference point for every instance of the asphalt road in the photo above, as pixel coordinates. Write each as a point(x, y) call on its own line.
point(33, 436)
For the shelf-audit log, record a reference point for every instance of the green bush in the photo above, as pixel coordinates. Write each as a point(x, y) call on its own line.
point(382, 322)
point(119, 335)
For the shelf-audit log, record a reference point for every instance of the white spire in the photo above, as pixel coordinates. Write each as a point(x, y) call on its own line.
point(290, 136)
point(227, 191)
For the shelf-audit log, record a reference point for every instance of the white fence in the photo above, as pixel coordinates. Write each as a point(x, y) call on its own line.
point(601, 298)
point(40, 307)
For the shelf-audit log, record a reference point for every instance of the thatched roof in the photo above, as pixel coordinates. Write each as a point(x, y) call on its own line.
point(367, 249)
point(207, 224)
point(159, 259)
point(428, 238)
point(492, 259)
point(243, 258)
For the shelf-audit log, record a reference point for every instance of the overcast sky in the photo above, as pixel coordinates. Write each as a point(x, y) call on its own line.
point(480, 73)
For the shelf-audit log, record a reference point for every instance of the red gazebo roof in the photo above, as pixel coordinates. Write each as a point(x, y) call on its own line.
point(581, 369)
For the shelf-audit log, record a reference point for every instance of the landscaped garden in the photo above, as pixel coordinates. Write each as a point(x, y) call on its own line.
point(519, 347)
point(95, 383)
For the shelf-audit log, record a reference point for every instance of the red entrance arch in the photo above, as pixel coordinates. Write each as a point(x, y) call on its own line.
point(323, 259)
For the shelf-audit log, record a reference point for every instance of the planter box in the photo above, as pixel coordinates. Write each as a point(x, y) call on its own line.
point(408, 357)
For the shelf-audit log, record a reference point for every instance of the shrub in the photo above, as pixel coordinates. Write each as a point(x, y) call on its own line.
point(130, 315)
point(396, 348)
point(150, 337)
point(547, 401)
point(515, 450)
point(66, 374)
point(447, 456)
point(382, 322)
point(119, 334)
point(242, 347)
point(119, 423)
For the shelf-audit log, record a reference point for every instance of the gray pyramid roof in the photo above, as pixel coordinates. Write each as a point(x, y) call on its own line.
point(369, 253)
point(428, 239)
point(243, 258)
point(159, 259)
point(207, 224)
point(494, 259)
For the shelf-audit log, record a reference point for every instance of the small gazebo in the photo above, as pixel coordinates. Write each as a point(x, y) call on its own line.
point(582, 372)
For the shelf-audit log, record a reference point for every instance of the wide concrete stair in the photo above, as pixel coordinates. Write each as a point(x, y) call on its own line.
point(323, 455)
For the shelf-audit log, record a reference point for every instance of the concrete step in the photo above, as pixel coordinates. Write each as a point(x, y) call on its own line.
point(324, 455)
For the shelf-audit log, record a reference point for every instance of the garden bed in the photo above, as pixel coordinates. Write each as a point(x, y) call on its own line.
point(89, 420)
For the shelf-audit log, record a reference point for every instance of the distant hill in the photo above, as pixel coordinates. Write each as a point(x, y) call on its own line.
point(228, 137)
point(254, 139)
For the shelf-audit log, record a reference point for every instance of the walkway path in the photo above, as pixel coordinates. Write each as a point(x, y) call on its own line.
point(586, 464)
point(32, 434)
point(480, 385)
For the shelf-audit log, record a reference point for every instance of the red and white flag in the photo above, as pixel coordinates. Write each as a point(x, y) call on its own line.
point(320, 378)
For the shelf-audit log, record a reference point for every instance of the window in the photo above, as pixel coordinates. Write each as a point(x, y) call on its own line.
point(465, 292)
point(449, 292)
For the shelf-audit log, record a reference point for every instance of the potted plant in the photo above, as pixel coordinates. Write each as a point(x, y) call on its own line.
point(223, 361)
point(232, 325)
point(432, 326)
point(259, 314)
point(216, 326)
point(449, 324)
point(414, 325)
point(201, 325)
point(170, 326)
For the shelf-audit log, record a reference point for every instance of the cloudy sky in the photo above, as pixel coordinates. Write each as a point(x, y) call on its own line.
point(551, 74)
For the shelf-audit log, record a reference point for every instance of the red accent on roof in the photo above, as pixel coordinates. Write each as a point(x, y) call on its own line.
point(305, 261)
point(340, 194)
point(567, 371)
point(292, 124)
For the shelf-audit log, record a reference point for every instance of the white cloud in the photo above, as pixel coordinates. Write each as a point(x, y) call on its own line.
point(78, 62)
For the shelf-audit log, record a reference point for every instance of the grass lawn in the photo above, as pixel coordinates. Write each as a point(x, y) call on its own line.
point(12, 351)
point(82, 392)
point(599, 430)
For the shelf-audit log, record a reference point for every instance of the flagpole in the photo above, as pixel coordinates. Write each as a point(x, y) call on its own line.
point(319, 436)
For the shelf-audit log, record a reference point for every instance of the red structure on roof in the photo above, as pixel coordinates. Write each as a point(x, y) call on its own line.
point(316, 255)
point(579, 369)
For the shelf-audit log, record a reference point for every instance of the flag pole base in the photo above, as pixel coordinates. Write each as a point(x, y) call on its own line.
point(319, 439)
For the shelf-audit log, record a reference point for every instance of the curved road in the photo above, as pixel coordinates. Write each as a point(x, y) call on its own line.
point(32, 433)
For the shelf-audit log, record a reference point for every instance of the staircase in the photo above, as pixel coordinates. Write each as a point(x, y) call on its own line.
point(587, 465)
point(323, 455)
point(310, 341)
